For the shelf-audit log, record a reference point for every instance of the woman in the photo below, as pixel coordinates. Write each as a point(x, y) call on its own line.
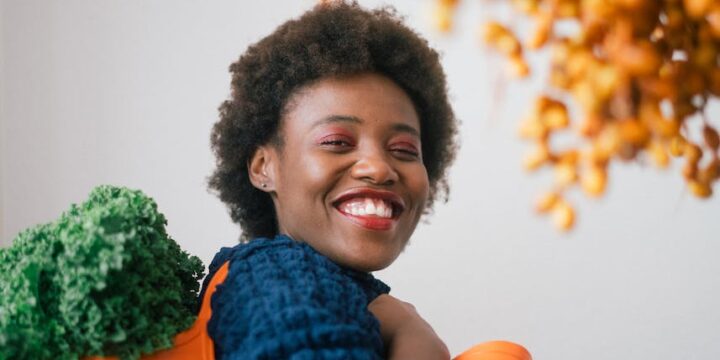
point(335, 141)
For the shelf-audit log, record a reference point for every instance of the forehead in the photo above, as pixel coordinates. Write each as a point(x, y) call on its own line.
point(373, 99)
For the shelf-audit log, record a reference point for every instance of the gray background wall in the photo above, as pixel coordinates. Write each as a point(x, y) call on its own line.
point(125, 92)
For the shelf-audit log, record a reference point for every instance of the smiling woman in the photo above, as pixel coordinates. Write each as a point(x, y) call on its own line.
point(335, 141)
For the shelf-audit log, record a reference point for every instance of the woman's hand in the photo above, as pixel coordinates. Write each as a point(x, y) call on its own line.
point(406, 335)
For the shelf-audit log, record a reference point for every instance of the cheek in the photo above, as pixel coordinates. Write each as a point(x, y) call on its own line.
point(419, 185)
point(316, 169)
point(308, 175)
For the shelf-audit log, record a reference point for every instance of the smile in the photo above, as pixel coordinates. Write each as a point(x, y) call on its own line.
point(371, 209)
point(367, 207)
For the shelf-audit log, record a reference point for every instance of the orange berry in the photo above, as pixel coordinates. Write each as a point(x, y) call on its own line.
point(443, 16)
point(556, 117)
point(658, 154)
point(711, 172)
point(518, 67)
point(532, 128)
point(692, 153)
point(634, 132)
point(563, 216)
point(546, 202)
point(543, 29)
point(697, 8)
point(508, 45)
point(677, 146)
point(565, 174)
point(536, 158)
point(700, 189)
point(690, 171)
point(711, 137)
point(594, 181)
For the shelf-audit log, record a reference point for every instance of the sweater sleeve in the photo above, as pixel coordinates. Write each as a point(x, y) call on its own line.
point(285, 302)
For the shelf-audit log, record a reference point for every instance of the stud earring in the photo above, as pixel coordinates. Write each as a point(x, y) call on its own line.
point(264, 185)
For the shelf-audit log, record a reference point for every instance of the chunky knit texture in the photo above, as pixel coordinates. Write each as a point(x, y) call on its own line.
point(283, 300)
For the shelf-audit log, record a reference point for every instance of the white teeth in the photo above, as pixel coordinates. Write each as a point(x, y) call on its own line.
point(388, 211)
point(367, 206)
point(381, 208)
point(370, 206)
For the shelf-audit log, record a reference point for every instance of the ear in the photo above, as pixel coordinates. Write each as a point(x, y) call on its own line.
point(261, 168)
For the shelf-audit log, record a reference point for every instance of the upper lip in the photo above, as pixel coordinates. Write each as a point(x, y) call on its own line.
point(396, 201)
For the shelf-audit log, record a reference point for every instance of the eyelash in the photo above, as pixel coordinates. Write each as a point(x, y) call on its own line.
point(336, 142)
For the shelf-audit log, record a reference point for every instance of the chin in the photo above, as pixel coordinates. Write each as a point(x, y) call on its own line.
point(367, 263)
point(368, 266)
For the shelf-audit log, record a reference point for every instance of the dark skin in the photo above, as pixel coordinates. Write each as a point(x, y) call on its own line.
point(349, 180)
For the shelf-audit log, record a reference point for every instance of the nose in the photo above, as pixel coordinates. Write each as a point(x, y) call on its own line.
point(373, 167)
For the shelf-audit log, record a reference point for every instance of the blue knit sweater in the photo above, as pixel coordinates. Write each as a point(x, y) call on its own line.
point(283, 300)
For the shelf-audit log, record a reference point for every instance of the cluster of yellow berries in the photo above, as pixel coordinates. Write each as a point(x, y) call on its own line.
point(636, 75)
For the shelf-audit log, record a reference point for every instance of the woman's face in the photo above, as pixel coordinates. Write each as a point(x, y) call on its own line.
point(349, 178)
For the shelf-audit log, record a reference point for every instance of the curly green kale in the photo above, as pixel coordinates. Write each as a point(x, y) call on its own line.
point(103, 279)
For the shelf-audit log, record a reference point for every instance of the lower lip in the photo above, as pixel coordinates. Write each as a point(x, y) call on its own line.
point(371, 223)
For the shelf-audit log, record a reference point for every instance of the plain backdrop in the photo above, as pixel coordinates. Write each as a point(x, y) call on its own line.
point(126, 92)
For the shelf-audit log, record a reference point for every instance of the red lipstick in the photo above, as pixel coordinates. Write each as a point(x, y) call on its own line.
point(372, 223)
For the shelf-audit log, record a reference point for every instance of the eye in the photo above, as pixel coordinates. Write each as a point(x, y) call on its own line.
point(336, 142)
point(405, 151)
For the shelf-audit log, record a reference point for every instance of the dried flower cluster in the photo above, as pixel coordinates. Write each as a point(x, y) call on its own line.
point(629, 81)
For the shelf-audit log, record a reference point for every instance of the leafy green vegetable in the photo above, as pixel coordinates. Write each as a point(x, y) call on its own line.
point(103, 279)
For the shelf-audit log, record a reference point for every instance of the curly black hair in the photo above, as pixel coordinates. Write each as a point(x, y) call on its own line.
point(333, 39)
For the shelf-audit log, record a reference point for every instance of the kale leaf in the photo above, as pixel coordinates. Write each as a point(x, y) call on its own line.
point(103, 279)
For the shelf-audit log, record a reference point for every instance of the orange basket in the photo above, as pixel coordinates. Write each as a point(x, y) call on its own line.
point(495, 350)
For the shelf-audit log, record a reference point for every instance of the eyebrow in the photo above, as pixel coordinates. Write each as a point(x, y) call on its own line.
point(400, 127)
